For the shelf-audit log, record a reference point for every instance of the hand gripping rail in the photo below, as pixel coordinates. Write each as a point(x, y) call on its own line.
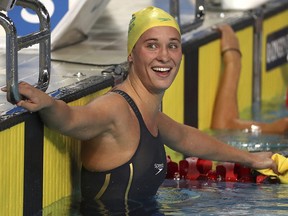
point(199, 15)
point(14, 44)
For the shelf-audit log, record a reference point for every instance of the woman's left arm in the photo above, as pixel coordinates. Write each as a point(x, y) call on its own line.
point(192, 142)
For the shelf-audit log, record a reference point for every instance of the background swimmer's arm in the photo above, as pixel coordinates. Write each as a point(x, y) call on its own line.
point(226, 107)
point(226, 113)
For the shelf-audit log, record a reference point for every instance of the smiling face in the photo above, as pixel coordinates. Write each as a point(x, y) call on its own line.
point(156, 57)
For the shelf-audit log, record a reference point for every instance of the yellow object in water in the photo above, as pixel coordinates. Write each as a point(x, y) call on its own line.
point(282, 163)
point(145, 19)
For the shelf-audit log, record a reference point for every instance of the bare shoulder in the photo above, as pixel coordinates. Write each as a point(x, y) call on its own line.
point(109, 105)
point(105, 114)
point(109, 98)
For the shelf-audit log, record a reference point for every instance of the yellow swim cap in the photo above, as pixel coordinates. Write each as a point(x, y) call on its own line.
point(145, 19)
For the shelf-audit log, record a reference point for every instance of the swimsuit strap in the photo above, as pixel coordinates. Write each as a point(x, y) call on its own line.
point(130, 102)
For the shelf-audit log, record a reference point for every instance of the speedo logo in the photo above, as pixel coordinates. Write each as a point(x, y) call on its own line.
point(158, 167)
point(164, 19)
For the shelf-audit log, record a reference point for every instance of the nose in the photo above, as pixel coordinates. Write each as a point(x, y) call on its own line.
point(163, 55)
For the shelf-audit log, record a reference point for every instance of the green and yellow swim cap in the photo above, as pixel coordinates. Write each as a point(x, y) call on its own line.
point(145, 19)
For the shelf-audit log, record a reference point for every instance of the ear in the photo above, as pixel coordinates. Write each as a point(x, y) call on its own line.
point(130, 58)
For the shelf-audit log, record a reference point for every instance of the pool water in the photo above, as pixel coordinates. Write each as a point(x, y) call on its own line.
point(183, 197)
point(253, 139)
point(227, 198)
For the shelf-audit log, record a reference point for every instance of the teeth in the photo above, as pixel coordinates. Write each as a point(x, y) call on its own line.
point(161, 69)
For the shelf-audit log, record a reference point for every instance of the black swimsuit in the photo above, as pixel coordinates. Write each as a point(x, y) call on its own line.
point(137, 179)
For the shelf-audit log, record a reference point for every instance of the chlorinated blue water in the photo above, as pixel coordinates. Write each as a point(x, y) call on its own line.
point(182, 197)
point(252, 139)
point(227, 198)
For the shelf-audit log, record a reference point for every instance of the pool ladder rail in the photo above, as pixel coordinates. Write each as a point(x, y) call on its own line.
point(198, 19)
point(15, 43)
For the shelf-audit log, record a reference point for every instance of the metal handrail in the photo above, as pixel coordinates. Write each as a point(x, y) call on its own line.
point(199, 15)
point(14, 44)
point(257, 61)
point(7, 4)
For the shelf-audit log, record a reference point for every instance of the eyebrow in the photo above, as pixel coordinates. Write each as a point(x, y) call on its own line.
point(155, 39)
point(175, 39)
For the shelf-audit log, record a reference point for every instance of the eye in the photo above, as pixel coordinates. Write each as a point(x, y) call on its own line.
point(173, 46)
point(151, 45)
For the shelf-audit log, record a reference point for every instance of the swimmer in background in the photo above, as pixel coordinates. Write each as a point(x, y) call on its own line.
point(226, 113)
point(123, 132)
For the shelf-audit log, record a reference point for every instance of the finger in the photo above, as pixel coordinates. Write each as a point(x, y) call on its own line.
point(275, 168)
point(4, 89)
point(26, 90)
point(27, 105)
point(23, 103)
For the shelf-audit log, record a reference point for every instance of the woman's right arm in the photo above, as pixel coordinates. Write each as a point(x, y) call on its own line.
point(82, 122)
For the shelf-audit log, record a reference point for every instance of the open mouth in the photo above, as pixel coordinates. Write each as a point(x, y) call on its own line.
point(162, 69)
